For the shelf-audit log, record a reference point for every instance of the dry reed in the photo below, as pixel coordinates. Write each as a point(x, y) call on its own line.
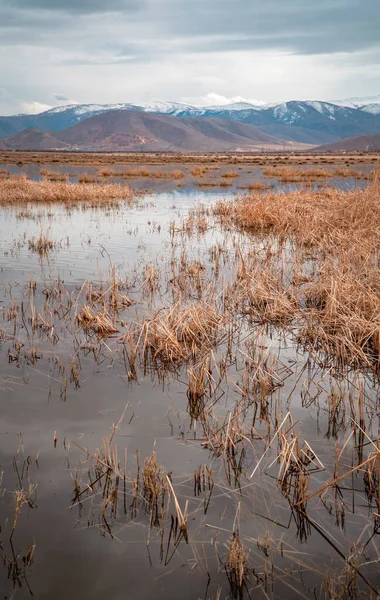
point(20, 189)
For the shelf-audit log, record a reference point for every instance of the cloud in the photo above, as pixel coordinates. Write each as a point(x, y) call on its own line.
point(61, 98)
point(74, 6)
point(33, 108)
point(213, 99)
point(211, 52)
point(297, 26)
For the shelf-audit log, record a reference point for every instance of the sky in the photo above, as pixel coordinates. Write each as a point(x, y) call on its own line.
point(202, 52)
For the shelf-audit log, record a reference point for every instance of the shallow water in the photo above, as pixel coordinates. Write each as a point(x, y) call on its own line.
point(46, 425)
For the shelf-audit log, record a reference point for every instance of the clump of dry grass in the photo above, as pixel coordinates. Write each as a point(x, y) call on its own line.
point(236, 565)
point(106, 172)
point(86, 178)
point(174, 336)
point(100, 323)
point(257, 185)
point(53, 175)
point(41, 244)
point(198, 171)
point(20, 189)
point(154, 489)
point(230, 174)
point(154, 173)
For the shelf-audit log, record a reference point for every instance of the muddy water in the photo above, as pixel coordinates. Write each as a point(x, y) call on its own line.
point(46, 425)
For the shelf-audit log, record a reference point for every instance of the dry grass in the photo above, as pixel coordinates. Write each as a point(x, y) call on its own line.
point(230, 174)
point(175, 335)
point(20, 189)
point(53, 175)
point(236, 566)
point(192, 158)
point(100, 323)
point(337, 305)
point(257, 185)
point(289, 174)
point(142, 173)
point(41, 244)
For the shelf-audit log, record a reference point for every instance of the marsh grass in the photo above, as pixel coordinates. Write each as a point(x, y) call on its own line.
point(236, 565)
point(143, 172)
point(41, 244)
point(335, 306)
point(288, 174)
point(20, 189)
point(173, 336)
point(100, 323)
point(54, 175)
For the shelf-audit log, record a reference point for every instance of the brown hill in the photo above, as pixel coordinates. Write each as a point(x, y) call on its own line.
point(129, 130)
point(33, 139)
point(136, 130)
point(362, 143)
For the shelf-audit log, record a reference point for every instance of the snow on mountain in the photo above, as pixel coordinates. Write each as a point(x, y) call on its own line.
point(172, 108)
point(235, 106)
point(81, 109)
point(322, 107)
point(288, 112)
point(374, 109)
point(357, 102)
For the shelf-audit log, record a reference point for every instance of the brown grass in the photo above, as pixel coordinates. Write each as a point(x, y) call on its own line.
point(147, 173)
point(176, 335)
point(337, 305)
point(101, 323)
point(53, 175)
point(20, 189)
point(292, 175)
point(230, 174)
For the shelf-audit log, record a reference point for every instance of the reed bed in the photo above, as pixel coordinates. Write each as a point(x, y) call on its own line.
point(143, 173)
point(20, 189)
point(337, 304)
point(289, 174)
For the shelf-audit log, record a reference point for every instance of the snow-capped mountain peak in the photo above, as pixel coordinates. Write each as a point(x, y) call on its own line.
point(374, 109)
point(235, 106)
point(172, 108)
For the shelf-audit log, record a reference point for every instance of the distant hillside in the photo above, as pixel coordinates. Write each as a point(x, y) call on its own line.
point(362, 143)
point(33, 139)
point(128, 130)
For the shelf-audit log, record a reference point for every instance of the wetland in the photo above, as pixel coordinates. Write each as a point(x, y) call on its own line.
point(189, 381)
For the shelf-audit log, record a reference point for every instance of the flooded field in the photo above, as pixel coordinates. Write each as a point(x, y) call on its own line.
point(189, 383)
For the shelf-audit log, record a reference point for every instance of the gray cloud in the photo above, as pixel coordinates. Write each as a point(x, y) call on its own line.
point(61, 98)
point(150, 47)
point(73, 6)
point(293, 25)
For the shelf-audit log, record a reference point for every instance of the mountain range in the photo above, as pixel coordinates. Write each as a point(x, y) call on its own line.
point(131, 130)
point(301, 122)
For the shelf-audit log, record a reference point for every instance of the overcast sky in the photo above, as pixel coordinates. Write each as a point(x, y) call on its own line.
point(56, 52)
